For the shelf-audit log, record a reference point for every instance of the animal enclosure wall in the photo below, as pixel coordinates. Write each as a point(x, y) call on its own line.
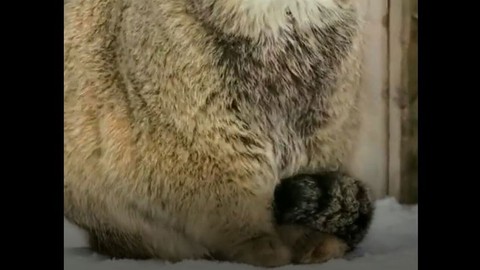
point(386, 156)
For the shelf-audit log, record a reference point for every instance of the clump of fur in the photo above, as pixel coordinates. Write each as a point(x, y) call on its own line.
point(332, 203)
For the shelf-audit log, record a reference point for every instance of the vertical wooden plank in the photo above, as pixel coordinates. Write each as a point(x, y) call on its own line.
point(394, 93)
point(402, 163)
point(409, 179)
point(369, 162)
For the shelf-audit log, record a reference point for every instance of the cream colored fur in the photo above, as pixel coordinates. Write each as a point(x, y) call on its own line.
point(153, 152)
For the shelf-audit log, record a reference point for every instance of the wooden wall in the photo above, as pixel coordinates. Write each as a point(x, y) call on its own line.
point(386, 156)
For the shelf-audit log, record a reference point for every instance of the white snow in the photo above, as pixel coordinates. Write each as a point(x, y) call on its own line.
point(392, 244)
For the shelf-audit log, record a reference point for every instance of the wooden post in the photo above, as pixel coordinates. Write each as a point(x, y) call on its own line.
point(403, 104)
point(370, 162)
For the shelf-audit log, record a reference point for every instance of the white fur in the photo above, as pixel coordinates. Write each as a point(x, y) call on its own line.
point(269, 16)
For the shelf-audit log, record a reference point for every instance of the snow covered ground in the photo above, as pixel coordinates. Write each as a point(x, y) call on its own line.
point(392, 244)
